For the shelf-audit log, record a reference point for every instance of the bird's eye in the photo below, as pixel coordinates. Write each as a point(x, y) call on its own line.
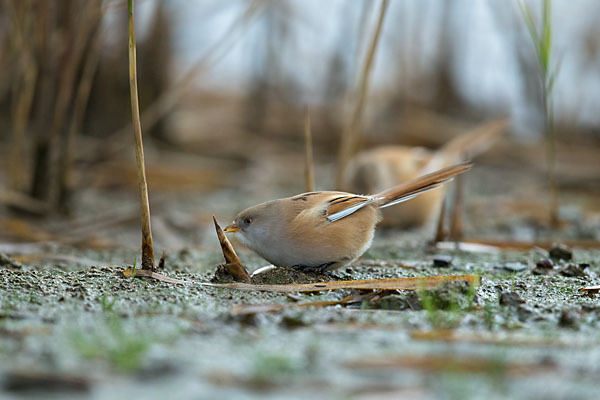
point(248, 221)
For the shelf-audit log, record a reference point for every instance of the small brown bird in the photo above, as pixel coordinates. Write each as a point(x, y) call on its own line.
point(324, 230)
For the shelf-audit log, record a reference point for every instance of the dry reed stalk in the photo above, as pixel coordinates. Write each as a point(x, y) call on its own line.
point(23, 89)
point(456, 220)
point(309, 176)
point(440, 232)
point(147, 246)
point(80, 103)
point(350, 137)
point(58, 136)
point(169, 99)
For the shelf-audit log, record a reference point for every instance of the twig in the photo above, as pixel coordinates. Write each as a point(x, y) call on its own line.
point(232, 262)
point(456, 221)
point(309, 177)
point(440, 232)
point(147, 246)
point(350, 137)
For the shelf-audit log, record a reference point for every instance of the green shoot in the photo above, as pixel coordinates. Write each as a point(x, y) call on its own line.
point(542, 41)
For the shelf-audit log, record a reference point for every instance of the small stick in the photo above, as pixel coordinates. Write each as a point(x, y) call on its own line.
point(351, 135)
point(147, 246)
point(232, 261)
point(456, 221)
point(440, 233)
point(309, 177)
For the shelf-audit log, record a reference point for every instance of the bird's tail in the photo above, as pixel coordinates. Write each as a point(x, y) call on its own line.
point(415, 187)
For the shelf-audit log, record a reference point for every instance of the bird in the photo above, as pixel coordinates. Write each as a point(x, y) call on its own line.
point(384, 166)
point(325, 230)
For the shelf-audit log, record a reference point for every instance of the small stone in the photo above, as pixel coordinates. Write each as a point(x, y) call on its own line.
point(543, 267)
point(442, 261)
point(510, 299)
point(524, 313)
point(560, 252)
point(568, 318)
point(574, 270)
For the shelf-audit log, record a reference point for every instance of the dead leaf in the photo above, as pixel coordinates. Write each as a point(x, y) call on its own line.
point(416, 283)
point(128, 273)
point(250, 309)
point(232, 261)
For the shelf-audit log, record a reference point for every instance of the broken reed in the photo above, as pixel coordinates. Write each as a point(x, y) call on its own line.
point(147, 246)
point(542, 42)
point(350, 136)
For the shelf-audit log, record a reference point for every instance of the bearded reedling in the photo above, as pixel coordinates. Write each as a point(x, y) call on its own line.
point(324, 230)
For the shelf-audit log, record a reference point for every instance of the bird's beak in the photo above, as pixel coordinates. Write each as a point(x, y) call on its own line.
point(232, 228)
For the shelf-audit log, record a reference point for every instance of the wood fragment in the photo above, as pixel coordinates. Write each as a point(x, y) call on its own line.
point(251, 309)
point(590, 290)
point(232, 261)
point(417, 283)
point(526, 246)
point(128, 273)
point(452, 363)
point(450, 335)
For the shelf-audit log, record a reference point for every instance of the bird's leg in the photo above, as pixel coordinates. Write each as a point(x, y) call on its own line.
point(312, 268)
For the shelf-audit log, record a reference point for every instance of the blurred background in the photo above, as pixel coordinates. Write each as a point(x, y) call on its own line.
point(223, 87)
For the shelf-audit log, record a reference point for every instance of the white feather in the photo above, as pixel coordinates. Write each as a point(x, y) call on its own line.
point(350, 210)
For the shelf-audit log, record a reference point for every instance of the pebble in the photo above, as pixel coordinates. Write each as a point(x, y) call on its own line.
point(543, 267)
point(510, 299)
point(442, 261)
point(575, 270)
point(560, 252)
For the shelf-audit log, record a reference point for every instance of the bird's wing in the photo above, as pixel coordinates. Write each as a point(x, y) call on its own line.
point(342, 205)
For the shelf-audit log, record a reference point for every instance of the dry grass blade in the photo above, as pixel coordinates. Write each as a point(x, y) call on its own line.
point(350, 137)
point(450, 363)
point(590, 290)
point(449, 335)
point(418, 283)
point(520, 245)
point(309, 176)
point(147, 246)
point(135, 273)
point(251, 309)
point(232, 261)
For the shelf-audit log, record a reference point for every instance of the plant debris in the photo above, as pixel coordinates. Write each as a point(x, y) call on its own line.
point(131, 273)
point(452, 363)
point(416, 283)
point(233, 265)
point(250, 309)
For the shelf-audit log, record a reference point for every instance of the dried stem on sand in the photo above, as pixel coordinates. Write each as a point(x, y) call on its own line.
point(147, 247)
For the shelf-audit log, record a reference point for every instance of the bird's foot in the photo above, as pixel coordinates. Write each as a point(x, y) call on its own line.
point(311, 268)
